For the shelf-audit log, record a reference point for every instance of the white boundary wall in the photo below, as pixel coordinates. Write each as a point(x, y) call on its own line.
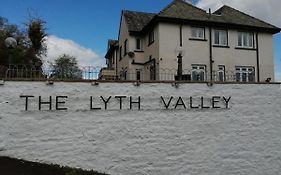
point(245, 139)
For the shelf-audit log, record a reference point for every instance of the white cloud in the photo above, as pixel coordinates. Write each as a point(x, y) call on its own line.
point(267, 10)
point(58, 46)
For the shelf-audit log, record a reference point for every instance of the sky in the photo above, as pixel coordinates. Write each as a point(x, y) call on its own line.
point(81, 28)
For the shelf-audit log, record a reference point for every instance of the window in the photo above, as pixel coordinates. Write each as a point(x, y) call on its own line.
point(220, 37)
point(125, 75)
point(221, 73)
point(198, 72)
point(120, 53)
point(198, 32)
point(245, 39)
point(150, 37)
point(245, 74)
point(138, 74)
point(125, 47)
point(138, 44)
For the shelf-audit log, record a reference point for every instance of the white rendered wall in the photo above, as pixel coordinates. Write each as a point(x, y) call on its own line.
point(244, 139)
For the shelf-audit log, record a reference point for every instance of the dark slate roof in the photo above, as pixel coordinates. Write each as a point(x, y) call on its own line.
point(230, 15)
point(136, 21)
point(178, 9)
point(183, 10)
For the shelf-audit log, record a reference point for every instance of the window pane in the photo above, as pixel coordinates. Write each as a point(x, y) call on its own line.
point(202, 76)
point(250, 40)
point(138, 44)
point(201, 33)
point(194, 32)
point(251, 77)
point(223, 38)
point(194, 76)
point(138, 75)
point(244, 76)
point(217, 37)
point(221, 76)
point(237, 76)
point(239, 39)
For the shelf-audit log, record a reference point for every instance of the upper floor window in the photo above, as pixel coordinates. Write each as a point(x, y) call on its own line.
point(197, 32)
point(138, 44)
point(245, 39)
point(220, 37)
point(125, 47)
point(151, 37)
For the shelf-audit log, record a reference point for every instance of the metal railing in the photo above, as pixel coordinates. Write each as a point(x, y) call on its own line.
point(22, 72)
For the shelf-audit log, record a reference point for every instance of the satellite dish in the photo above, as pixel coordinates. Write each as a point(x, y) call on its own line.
point(131, 54)
point(10, 42)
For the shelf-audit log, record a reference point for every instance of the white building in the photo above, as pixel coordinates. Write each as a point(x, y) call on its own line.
point(226, 45)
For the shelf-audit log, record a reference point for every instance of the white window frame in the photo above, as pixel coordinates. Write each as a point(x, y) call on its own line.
point(196, 31)
point(247, 39)
point(198, 72)
point(221, 41)
point(221, 73)
point(243, 74)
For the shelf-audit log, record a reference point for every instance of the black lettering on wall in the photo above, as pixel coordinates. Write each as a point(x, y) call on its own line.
point(105, 101)
point(165, 104)
point(120, 100)
point(227, 100)
point(180, 103)
point(45, 103)
point(135, 102)
point(91, 105)
point(26, 100)
point(215, 100)
point(58, 102)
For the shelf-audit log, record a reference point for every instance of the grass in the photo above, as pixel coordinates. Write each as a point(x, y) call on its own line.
point(12, 166)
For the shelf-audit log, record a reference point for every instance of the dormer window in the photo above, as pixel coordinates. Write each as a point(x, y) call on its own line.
point(245, 39)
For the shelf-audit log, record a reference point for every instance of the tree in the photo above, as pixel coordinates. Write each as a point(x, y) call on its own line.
point(30, 42)
point(66, 67)
point(37, 35)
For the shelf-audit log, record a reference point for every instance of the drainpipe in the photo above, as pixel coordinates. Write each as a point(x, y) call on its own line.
point(258, 57)
point(211, 50)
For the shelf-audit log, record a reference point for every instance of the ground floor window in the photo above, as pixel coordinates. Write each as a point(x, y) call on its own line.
point(221, 73)
point(198, 72)
point(138, 74)
point(245, 74)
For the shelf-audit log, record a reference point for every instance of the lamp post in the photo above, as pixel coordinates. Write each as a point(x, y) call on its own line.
point(180, 53)
point(10, 43)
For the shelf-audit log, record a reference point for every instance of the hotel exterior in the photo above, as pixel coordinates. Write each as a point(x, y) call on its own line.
point(184, 42)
